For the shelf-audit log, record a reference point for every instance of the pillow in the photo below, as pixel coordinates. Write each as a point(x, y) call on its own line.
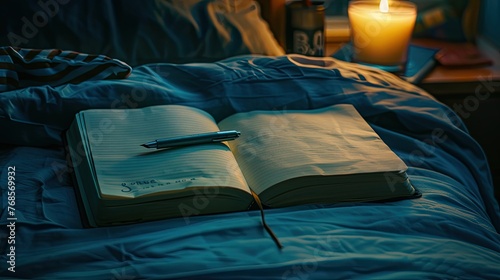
point(139, 32)
point(21, 68)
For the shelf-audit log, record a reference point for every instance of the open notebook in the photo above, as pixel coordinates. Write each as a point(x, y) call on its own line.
point(286, 158)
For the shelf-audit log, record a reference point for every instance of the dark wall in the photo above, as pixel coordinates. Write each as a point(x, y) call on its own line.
point(489, 21)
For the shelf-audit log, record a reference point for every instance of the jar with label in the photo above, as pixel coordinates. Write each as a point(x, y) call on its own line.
point(305, 28)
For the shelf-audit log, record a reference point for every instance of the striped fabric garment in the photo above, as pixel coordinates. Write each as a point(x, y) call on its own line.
point(20, 68)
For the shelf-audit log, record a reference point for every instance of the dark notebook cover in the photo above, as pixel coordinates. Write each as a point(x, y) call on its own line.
point(421, 60)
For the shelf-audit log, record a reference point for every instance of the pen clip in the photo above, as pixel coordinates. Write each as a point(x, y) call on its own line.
point(226, 136)
point(223, 138)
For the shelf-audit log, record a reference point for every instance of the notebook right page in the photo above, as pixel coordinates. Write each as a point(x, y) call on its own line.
point(280, 145)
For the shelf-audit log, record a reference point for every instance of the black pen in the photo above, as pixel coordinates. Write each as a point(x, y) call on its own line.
point(194, 139)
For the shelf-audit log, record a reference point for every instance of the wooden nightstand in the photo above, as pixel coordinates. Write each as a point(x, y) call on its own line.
point(474, 94)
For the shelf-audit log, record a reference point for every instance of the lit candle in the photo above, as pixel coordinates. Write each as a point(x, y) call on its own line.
point(381, 32)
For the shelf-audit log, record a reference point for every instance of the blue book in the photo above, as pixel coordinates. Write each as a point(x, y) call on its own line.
point(421, 61)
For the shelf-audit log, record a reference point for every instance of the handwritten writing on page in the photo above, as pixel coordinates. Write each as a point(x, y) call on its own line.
point(125, 169)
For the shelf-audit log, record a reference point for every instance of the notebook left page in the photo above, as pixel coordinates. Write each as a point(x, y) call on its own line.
point(126, 170)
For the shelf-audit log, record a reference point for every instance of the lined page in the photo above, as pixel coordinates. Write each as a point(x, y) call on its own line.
point(124, 169)
point(279, 145)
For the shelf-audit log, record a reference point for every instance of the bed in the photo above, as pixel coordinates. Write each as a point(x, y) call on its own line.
point(122, 54)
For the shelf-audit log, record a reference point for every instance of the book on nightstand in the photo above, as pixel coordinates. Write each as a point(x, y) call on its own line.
point(421, 60)
point(283, 158)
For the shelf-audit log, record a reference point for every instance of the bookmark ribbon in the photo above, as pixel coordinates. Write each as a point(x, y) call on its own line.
point(268, 229)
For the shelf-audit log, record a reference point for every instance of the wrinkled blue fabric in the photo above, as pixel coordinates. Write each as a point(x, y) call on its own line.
point(452, 231)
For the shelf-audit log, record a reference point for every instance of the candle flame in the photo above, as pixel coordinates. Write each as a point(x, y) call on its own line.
point(384, 6)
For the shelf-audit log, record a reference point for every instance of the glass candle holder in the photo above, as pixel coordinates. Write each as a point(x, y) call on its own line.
point(381, 34)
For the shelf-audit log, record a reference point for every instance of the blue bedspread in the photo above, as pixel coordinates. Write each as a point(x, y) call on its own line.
point(451, 232)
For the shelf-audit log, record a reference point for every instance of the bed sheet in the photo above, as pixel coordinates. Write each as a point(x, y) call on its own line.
point(451, 232)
